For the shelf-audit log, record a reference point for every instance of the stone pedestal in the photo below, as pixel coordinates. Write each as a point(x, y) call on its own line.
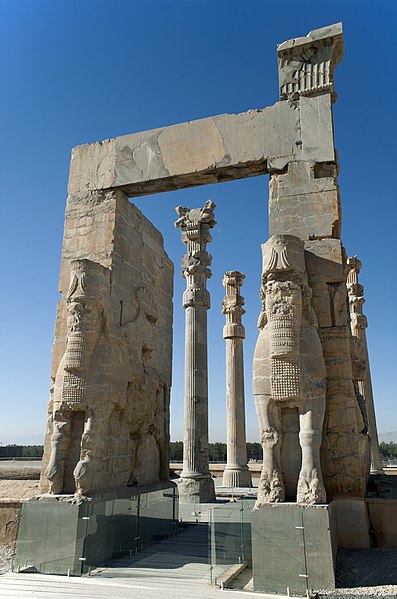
point(196, 484)
point(236, 473)
point(57, 535)
point(293, 549)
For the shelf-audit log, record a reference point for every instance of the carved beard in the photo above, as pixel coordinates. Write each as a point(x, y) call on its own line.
point(79, 349)
point(284, 325)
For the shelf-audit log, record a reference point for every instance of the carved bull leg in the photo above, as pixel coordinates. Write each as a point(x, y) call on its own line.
point(271, 487)
point(310, 484)
point(60, 441)
point(87, 467)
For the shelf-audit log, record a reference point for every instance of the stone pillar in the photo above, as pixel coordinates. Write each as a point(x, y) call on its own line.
point(305, 202)
point(196, 484)
point(236, 472)
point(108, 414)
point(358, 324)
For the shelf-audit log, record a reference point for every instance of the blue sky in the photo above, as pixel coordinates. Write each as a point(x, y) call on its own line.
point(75, 72)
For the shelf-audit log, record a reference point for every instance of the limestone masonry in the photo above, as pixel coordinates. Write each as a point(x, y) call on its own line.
point(108, 420)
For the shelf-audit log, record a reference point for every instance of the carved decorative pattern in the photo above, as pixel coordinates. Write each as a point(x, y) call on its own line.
point(309, 78)
point(74, 388)
point(286, 380)
point(307, 64)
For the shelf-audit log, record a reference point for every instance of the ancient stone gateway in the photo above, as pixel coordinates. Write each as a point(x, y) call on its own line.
point(110, 239)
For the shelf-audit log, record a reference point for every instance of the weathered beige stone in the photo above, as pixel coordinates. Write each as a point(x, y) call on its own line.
point(108, 422)
point(360, 359)
point(306, 64)
point(236, 472)
point(220, 148)
point(293, 141)
point(317, 130)
point(302, 204)
point(288, 377)
point(383, 518)
point(9, 514)
point(195, 483)
point(352, 524)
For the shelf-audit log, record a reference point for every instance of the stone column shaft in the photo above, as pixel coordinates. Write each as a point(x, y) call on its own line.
point(236, 472)
point(195, 455)
point(196, 484)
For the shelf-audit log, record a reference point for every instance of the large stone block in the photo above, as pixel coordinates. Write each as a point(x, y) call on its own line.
point(383, 518)
point(352, 524)
point(302, 204)
point(317, 128)
point(219, 148)
point(293, 549)
point(325, 261)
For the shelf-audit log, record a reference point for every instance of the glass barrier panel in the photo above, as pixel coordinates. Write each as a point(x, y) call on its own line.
point(47, 539)
point(230, 537)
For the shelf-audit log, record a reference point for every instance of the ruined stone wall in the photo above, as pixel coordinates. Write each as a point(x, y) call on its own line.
point(132, 359)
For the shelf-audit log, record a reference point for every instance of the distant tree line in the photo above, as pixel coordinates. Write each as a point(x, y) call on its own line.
point(388, 450)
point(21, 451)
point(217, 451)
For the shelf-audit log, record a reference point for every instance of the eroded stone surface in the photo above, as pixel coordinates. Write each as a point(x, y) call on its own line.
point(288, 376)
point(303, 205)
point(293, 141)
point(236, 473)
point(220, 148)
point(307, 64)
point(195, 483)
point(108, 421)
point(360, 359)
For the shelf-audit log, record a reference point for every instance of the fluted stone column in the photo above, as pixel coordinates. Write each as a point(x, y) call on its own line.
point(358, 324)
point(236, 472)
point(196, 484)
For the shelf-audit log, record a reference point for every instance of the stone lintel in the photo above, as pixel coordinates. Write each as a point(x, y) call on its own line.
point(210, 150)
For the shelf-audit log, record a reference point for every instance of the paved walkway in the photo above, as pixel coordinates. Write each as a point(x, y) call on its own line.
point(176, 568)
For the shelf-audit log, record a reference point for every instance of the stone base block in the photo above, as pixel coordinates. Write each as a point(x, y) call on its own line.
point(196, 490)
point(236, 477)
point(351, 521)
point(383, 518)
point(293, 548)
point(58, 536)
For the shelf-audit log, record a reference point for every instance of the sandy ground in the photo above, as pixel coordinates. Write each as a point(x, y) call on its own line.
point(18, 489)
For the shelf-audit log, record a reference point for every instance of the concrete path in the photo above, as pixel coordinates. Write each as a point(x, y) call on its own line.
point(176, 568)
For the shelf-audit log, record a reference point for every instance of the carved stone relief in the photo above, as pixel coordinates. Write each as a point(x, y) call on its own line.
point(289, 373)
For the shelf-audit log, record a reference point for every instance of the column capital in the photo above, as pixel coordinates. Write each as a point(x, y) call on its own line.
point(195, 225)
point(233, 304)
